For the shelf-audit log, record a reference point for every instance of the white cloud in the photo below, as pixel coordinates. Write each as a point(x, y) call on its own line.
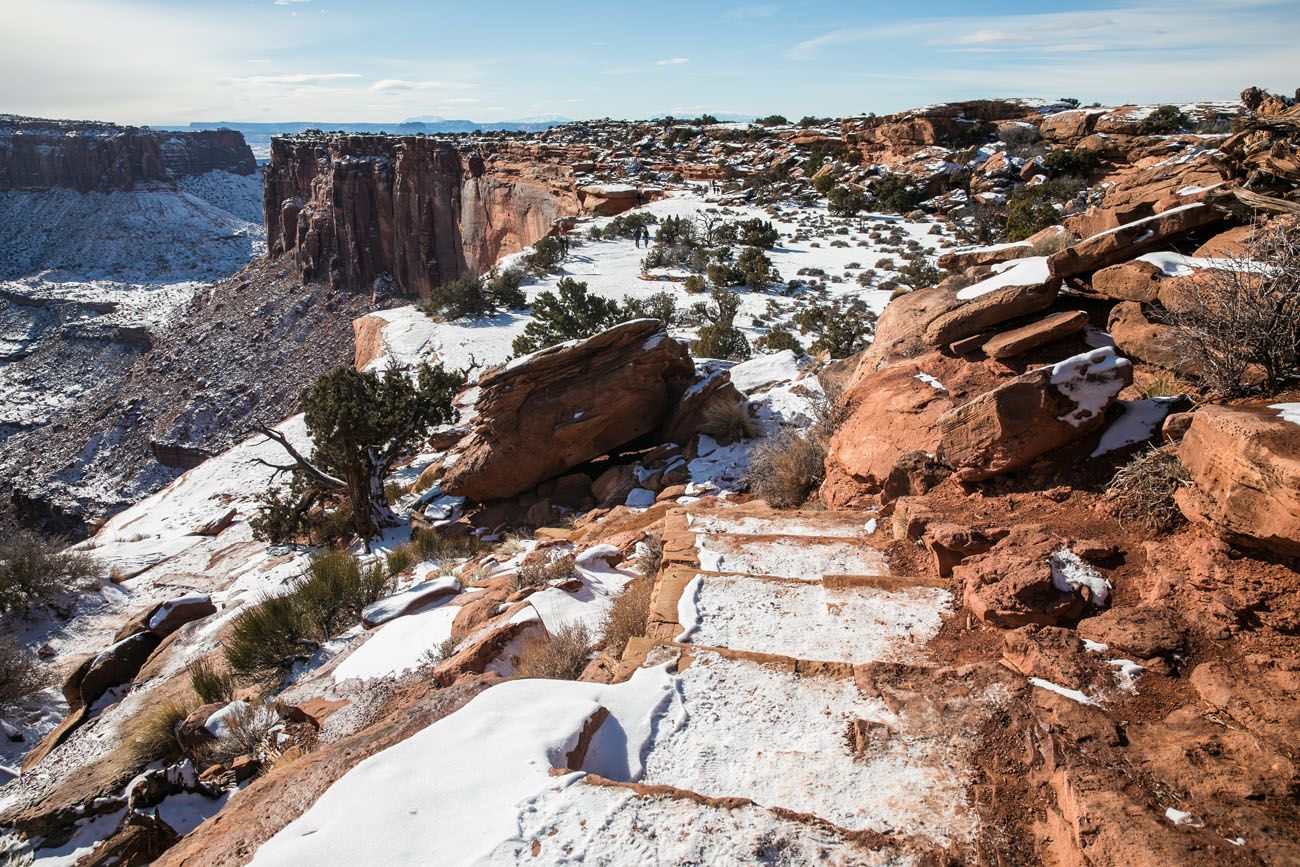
point(461, 100)
point(400, 85)
point(742, 13)
point(307, 78)
point(672, 61)
point(289, 2)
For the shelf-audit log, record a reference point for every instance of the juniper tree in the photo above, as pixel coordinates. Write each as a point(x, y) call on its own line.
point(360, 423)
point(570, 315)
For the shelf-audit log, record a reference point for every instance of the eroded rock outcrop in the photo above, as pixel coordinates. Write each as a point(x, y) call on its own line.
point(555, 409)
point(353, 209)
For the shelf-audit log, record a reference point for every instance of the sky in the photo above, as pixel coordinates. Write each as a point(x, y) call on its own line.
point(175, 61)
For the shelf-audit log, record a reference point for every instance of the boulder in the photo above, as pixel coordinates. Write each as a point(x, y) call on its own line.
point(1244, 462)
point(1069, 126)
point(612, 486)
point(1143, 339)
point(193, 733)
point(1049, 329)
point(1231, 244)
point(1039, 411)
point(1025, 578)
point(1144, 631)
point(1016, 289)
point(994, 254)
point(116, 665)
point(1129, 240)
point(175, 613)
point(950, 544)
point(408, 601)
point(687, 418)
point(1128, 281)
point(550, 411)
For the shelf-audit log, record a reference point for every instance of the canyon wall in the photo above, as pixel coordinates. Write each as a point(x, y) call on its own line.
point(351, 209)
point(38, 154)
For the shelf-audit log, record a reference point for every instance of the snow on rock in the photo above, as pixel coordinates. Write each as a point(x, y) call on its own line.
point(749, 525)
point(1140, 421)
point(805, 559)
point(1288, 411)
point(1070, 572)
point(416, 596)
point(1178, 265)
point(807, 621)
point(1031, 271)
point(766, 370)
point(1071, 694)
point(477, 770)
point(1091, 379)
point(588, 605)
point(399, 645)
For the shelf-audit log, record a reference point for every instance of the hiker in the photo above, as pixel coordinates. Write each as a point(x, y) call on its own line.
point(564, 244)
point(636, 236)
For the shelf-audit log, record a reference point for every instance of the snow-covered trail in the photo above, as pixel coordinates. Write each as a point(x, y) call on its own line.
point(760, 721)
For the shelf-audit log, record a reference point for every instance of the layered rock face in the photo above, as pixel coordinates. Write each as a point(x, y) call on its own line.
point(896, 136)
point(352, 209)
point(98, 157)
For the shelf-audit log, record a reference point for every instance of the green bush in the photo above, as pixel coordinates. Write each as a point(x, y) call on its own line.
point(823, 184)
point(462, 297)
point(756, 268)
point(721, 341)
point(267, 638)
point(840, 328)
point(35, 570)
point(545, 256)
point(920, 274)
point(846, 202)
point(894, 195)
point(399, 559)
point(757, 233)
point(503, 289)
point(19, 674)
point(625, 225)
point(209, 684)
point(1078, 161)
point(430, 544)
point(335, 590)
point(1164, 120)
point(571, 314)
point(660, 305)
point(779, 339)
point(1029, 213)
point(773, 120)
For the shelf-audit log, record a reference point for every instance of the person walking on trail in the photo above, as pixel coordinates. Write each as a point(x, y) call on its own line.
point(636, 236)
point(564, 244)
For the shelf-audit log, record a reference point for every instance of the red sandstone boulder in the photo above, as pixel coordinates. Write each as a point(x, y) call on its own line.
point(548, 412)
point(1245, 468)
point(1007, 428)
point(1129, 240)
point(1143, 631)
point(1143, 339)
point(1049, 329)
point(688, 416)
point(1026, 578)
point(970, 257)
point(1017, 289)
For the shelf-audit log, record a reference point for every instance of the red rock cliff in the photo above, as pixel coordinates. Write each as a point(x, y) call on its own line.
point(38, 154)
point(353, 208)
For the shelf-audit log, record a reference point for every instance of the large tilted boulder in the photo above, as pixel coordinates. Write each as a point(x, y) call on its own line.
point(1030, 576)
point(550, 411)
point(1124, 242)
point(1245, 467)
point(1007, 428)
point(1018, 288)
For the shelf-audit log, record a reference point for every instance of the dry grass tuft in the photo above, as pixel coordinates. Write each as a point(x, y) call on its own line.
point(728, 422)
point(540, 574)
point(627, 618)
point(561, 655)
point(787, 469)
point(1142, 492)
point(152, 733)
point(248, 732)
point(209, 684)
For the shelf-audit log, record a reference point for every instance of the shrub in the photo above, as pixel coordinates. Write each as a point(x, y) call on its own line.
point(1227, 320)
point(19, 674)
point(462, 297)
point(1028, 213)
point(723, 275)
point(920, 274)
point(695, 283)
point(151, 735)
point(757, 233)
point(1142, 491)
point(894, 195)
point(209, 684)
point(267, 638)
point(1164, 120)
point(433, 545)
point(779, 339)
point(824, 183)
point(756, 268)
point(773, 120)
point(248, 732)
point(561, 655)
point(35, 570)
point(625, 225)
point(1051, 244)
point(627, 616)
point(543, 572)
point(335, 590)
point(400, 558)
point(846, 201)
point(444, 650)
point(721, 341)
point(650, 555)
point(841, 328)
point(544, 258)
point(1079, 161)
point(660, 305)
point(728, 422)
point(786, 469)
point(503, 289)
point(569, 315)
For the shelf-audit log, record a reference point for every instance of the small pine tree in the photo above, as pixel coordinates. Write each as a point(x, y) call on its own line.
point(571, 314)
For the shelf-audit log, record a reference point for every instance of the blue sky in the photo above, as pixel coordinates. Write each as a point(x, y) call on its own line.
point(170, 61)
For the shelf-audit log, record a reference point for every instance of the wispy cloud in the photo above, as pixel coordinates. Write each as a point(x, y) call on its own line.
point(298, 78)
point(672, 61)
point(290, 2)
point(402, 85)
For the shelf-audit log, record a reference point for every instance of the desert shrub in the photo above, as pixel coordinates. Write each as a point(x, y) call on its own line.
point(464, 296)
point(723, 274)
point(400, 558)
point(627, 616)
point(559, 655)
point(1247, 315)
point(846, 201)
point(268, 637)
point(757, 233)
point(720, 340)
point(430, 544)
point(1051, 244)
point(1078, 161)
point(249, 729)
point(772, 120)
point(840, 328)
point(1164, 120)
point(35, 570)
point(824, 183)
point(503, 289)
point(570, 313)
point(650, 554)
point(625, 225)
point(695, 283)
point(151, 735)
point(787, 468)
point(444, 650)
point(660, 305)
point(543, 572)
point(1020, 136)
point(335, 589)
point(19, 674)
point(1028, 213)
point(1142, 491)
point(1162, 385)
point(779, 339)
point(894, 195)
point(210, 684)
point(544, 258)
point(756, 268)
point(920, 274)
point(823, 151)
point(728, 422)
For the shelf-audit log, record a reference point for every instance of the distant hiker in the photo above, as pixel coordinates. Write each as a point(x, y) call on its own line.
point(636, 235)
point(564, 244)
